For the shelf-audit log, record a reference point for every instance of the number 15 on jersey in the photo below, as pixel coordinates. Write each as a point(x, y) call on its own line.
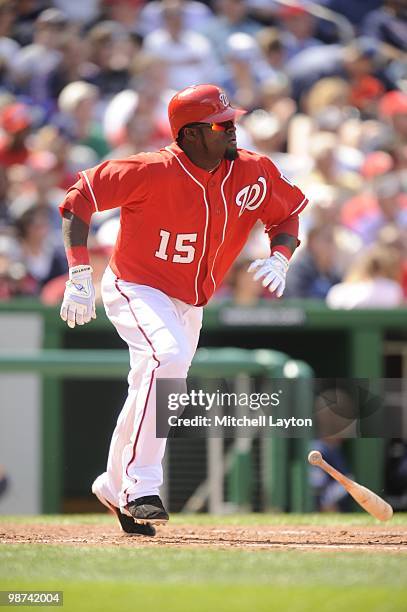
point(184, 251)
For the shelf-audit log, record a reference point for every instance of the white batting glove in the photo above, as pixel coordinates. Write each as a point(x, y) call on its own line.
point(78, 306)
point(273, 272)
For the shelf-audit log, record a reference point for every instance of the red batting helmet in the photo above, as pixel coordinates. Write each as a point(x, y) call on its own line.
point(200, 103)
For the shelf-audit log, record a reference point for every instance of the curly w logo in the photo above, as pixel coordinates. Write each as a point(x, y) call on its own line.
point(251, 196)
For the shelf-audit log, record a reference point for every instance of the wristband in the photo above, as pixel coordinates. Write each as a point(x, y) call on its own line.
point(284, 250)
point(78, 271)
point(77, 255)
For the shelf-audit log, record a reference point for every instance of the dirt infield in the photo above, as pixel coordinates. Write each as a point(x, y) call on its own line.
point(289, 537)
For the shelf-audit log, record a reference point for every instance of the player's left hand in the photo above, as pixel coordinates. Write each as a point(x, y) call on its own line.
point(273, 272)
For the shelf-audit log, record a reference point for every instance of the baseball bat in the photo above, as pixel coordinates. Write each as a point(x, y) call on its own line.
point(372, 503)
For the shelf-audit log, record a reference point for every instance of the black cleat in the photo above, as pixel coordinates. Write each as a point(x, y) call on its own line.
point(127, 523)
point(148, 509)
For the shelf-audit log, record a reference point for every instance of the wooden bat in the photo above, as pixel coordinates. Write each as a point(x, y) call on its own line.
point(372, 503)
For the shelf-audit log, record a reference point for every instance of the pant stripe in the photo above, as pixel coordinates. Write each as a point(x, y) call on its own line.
point(151, 379)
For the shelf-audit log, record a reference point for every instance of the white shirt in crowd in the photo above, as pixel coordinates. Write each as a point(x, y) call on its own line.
point(373, 293)
point(196, 14)
point(78, 10)
point(189, 59)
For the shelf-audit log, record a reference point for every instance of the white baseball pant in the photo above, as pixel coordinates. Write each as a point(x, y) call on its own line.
point(162, 334)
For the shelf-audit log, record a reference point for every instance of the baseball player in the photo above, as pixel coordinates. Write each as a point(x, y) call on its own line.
point(186, 212)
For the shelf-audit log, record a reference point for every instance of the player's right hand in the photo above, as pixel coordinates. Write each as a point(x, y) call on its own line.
point(78, 306)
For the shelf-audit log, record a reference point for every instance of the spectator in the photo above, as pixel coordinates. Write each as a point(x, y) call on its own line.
point(327, 94)
point(275, 97)
point(150, 81)
point(79, 158)
point(14, 280)
point(325, 210)
point(388, 24)
point(18, 177)
point(272, 45)
point(15, 120)
point(187, 54)
point(127, 13)
point(231, 16)
point(314, 271)
point(267, 133)
point(77, 103)
point(393, 110)
point(79, 11)
point(110, 70)
point(366, 94)
point(246, 69)
point(34, 62)
point(195, 15)
point(373, 281)
point(72, 65)
point(52, 140)
point(381, 203)
point(117, 115)
point(7, 19)
point(41, 191)
point(27, 12)
point(334, 164)
point(244, 291)
point(298, 28)
point(360, 58)
point(323, 148)
point(8, 46)
point(137, 128)
point(42, 260)
point(394, 239)
point(398, 153)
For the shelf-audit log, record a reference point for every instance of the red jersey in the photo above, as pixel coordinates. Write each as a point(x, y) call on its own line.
point(182, 227)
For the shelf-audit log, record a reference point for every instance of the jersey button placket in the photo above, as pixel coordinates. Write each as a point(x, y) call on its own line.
point(216, 231)
point(213, 189)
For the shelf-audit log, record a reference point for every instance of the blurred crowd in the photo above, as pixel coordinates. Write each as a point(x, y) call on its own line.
point(325, 83)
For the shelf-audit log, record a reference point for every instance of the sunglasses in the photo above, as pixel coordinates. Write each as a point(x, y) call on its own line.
point(215, 127)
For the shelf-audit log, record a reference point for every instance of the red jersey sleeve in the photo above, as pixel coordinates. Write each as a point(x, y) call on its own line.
point(109, 185)
point(286, 201)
